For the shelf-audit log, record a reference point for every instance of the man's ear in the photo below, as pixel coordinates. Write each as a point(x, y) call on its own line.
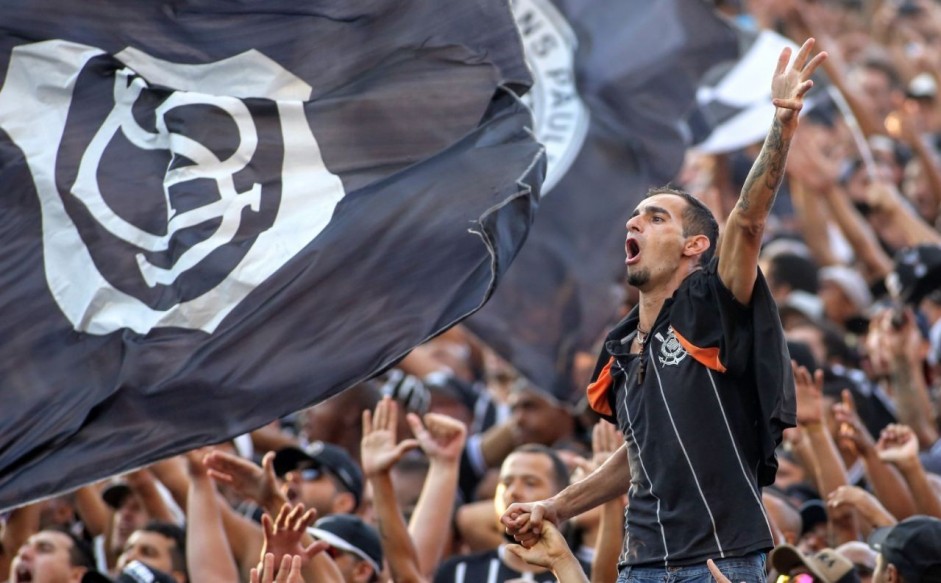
point(344, 503)
point(696, 245)
point(892, 574)
point(363, 571)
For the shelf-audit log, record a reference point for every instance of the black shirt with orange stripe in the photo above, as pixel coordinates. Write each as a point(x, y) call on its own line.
point(702, 409)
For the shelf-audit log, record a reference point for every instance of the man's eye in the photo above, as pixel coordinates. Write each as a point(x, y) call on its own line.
point(657, 219)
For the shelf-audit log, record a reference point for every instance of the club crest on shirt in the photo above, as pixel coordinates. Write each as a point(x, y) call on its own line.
point(671, 351)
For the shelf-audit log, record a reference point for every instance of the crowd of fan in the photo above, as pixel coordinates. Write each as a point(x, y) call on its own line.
point(405, 477)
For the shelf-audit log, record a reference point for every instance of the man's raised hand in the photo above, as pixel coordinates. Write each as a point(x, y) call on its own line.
point(792, 81)
point(378, 448)
point(440, 437)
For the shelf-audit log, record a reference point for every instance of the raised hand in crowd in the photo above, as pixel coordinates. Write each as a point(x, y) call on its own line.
point(442, 439)
point(827, 465)
point(896, 351)
point(379, 450)
point(898, 445)
point(809, 394)
point(439, 436)
point(284, 534)
point(606, 442)
point(249, 480)
point(854, 498)
point(855, 440)
point(206, 538)
point(289, 571)
point(550, 551)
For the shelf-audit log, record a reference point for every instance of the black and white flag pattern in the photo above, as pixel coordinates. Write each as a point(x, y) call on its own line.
point(215, 213)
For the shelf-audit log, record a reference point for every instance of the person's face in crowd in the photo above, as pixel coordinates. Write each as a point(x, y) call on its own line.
point(317, 489)
point(352, 568)
point(837, 306)
point(151, 548)
point(812, 337)
point(814, 540)
point(56, 511)
point(45, 558)
point(537, 419)
point(655, 241)
point(877, 86)
point(524, 477)
point(129, 517)
point(917, 190)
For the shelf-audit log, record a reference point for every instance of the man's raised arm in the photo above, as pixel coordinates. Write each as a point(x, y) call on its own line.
point(741, 241)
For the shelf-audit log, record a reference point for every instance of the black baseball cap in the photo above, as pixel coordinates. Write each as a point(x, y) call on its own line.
point(913, 546)
point(324, 456)
point(134, 572)
point(116, 493)
point(916, 274)
point(813, 512)
point(349, 533)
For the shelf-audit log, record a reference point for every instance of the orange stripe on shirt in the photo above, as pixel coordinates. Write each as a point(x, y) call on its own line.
point(708, 357)
point(598, 391)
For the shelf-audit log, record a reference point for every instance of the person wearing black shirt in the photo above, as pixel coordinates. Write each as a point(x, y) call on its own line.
point(697, 377)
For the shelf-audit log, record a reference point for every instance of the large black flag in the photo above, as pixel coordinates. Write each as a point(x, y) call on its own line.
point(214, 213)
point(614, 80)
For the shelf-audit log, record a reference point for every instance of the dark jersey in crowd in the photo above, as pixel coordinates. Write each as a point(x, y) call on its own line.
point(487, 567)
point(701, 409)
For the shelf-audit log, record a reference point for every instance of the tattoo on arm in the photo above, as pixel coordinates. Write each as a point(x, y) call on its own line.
point(768, 168)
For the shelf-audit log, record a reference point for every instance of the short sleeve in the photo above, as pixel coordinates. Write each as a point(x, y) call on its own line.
point(713, 326)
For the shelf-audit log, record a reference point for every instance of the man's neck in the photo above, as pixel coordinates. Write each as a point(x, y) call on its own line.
point(650, 301)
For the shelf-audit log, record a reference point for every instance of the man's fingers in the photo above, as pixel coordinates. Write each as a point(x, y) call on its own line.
point(283, 512)
point(415, 423)
point(220, 476)
point(295, 573)
point(267, 464)
point(266, 524)
point(801, 59)
point(794, 105)
point(316, 547)
point(405, 446)
point(291, 520)
point(381, 414)
point(818, 59)
point(267, 571)
point(285, 569)
point(716, 572)
point(307, 519)
point(783, 61)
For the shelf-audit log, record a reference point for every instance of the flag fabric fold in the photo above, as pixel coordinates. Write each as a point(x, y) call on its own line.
point(216, 213)
point(634, 66)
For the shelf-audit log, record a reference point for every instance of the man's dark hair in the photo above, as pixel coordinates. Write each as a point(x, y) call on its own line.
point(697, 219)
point(81, 553)
point(178, 536)
point(560, 472)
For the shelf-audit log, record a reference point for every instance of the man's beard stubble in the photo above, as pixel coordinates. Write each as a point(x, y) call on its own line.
point(638, 277)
